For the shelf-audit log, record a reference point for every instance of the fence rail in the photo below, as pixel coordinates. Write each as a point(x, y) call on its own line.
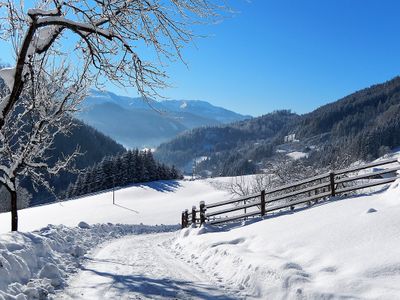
point(313, 189)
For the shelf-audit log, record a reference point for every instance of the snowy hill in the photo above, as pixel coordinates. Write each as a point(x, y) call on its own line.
point(134, 205)
point(362, 126)
point(345, 248)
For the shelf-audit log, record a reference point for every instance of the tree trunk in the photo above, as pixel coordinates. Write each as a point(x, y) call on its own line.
point(14, 211)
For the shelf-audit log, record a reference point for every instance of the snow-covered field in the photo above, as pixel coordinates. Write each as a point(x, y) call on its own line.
point(297, 155)
point(343, 249)
point(154, 203)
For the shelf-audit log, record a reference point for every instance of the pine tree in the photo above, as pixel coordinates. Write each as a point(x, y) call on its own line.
point(150, 165)
point(107, 170)
point(128, 168)
point(139, 168)
point(121, 170)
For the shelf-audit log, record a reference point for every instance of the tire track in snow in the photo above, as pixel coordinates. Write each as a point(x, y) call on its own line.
point(140, 267)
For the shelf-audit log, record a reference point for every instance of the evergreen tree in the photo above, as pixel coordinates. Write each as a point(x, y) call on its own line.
point(121, 170)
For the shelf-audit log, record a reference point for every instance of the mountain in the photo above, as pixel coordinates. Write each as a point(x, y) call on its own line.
point(225, 144)
point(93, 144)
point(203, 108)
point(136, 123)
point(361, 126)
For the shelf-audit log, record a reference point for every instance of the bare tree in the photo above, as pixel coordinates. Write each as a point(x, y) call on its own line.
point(290, 171)
point(241, 186)
point(278, 174)
point(23, 198)
point(249, 185)
point(112, 42)
point(44, 110)
point(109, 36)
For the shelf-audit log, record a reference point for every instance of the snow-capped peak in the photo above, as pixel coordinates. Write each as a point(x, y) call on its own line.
point(183, 105)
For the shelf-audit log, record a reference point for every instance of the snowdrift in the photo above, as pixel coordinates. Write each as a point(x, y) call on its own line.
point(344, 249)
point(34, 265)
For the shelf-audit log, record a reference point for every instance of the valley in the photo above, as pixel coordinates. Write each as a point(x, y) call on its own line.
point(136, 123)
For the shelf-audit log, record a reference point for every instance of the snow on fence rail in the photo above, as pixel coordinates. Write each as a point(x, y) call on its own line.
point(308, 191)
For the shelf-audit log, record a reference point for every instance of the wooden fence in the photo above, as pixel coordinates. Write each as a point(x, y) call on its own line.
point(305, 192)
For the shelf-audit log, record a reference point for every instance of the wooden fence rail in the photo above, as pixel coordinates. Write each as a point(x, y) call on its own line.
point(302, 192)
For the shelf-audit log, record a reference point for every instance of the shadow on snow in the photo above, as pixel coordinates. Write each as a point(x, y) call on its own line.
point(286, 211)
point(162, 185)
point(159, 287)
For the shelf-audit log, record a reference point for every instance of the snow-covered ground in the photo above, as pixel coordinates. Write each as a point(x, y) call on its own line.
point(297, 155)
point(34, 265)
point(343, 249)
point(155, 203)
point(142, 267)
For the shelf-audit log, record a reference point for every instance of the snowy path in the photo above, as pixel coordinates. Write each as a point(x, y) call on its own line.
point(140, 267)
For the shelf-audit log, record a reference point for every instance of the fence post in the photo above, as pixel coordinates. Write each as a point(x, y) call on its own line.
point(194, 215)
point(262, 203)
point(332, 181)
point(202, 213)
point(183, 220)
point(186, 217)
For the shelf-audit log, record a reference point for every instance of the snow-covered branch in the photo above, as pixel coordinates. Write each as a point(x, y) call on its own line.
point(115, 37)
point(52, 94)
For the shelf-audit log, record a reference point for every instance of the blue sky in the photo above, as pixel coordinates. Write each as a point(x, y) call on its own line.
point(297, 54)
point(292, 54)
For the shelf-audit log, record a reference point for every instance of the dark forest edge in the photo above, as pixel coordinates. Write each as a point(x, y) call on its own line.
point(121, 170)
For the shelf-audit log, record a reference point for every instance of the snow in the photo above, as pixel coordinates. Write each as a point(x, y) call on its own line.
point(38, 11)
point(297, 155)
point(7, 74)
point(343, 249)
point(122, 270)
point(34, 265)
point(200, 159)
point(44, 36)
point(82, 27)
point(183, 105)
point(280, 151)
point(155, 203)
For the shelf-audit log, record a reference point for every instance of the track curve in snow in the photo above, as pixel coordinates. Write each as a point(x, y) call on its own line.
point(141, 267)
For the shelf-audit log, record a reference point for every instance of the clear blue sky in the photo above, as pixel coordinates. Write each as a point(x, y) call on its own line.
point(296, 54)
point(292, 54)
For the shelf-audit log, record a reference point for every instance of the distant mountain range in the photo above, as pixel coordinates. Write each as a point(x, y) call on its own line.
point(136, 123)
point(361, 126)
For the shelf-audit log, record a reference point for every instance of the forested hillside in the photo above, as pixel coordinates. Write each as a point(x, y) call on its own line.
point(94, 147)
point(363, 125)
point(366, 123)
point(226, 143)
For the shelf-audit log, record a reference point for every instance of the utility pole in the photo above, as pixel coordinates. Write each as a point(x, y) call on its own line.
point(113, 193)
point(193, 168)
point(113, 190)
